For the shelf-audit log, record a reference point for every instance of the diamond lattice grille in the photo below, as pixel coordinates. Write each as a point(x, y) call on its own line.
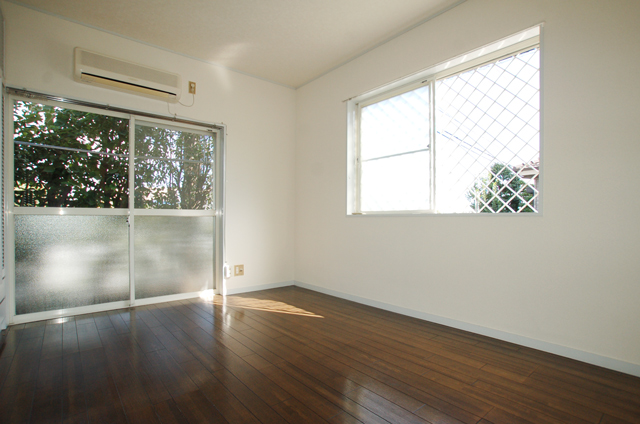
point(488, 137)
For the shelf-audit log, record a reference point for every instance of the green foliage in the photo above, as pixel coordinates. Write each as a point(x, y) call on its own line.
point(173, 168)
point(46, 176)
point(501, 190)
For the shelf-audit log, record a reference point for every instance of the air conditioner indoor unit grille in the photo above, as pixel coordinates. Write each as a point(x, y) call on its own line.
point(94, 68)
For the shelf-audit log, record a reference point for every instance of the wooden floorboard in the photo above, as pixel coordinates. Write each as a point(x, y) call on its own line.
point(291, 355)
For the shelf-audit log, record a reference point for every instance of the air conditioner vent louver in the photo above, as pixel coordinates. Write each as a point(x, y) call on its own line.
point(94, 68)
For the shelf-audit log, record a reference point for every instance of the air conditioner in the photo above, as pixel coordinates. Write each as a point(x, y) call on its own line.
point(97, 69)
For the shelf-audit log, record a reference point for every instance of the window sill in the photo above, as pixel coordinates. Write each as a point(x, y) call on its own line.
point(422, 214)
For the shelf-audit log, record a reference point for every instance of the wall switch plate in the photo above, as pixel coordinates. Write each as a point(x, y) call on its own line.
point(192, 87)
point(238, 270)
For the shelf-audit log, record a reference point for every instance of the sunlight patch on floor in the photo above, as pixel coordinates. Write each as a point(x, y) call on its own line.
point(258, 305)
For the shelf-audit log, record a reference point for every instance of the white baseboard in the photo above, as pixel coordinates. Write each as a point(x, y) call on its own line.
point(567, 352)
point(238, 290)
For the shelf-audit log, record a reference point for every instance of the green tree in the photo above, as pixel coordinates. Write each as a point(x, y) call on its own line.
point(501, 190)
point(69, 158)
point(80, 169)
point(173, 169)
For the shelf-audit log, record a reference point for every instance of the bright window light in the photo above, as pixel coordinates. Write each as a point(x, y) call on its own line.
point(462, 140)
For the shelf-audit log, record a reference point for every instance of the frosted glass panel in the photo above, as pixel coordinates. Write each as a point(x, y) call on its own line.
point(69, 261)
point(173, 255)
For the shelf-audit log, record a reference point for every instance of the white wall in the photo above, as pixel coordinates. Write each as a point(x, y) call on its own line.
point(569, 278)
point(260, 120)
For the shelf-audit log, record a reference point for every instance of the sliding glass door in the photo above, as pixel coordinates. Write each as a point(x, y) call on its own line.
point(107, 209)
point(174, 228)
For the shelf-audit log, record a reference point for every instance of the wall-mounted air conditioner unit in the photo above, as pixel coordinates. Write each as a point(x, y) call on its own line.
point(94, 68)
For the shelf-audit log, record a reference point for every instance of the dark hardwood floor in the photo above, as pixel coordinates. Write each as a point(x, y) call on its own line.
point(291, 356)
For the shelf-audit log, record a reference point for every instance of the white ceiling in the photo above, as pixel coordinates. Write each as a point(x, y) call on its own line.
point(289, 42)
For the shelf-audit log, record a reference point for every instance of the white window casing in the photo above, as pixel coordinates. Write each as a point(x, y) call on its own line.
point(460, 137)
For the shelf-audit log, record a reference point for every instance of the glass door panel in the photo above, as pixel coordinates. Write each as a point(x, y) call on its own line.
point(174, 169)
point(173, 254)
point(174, 175)
point(67, 261)
point(70, 199)
point(69, 158)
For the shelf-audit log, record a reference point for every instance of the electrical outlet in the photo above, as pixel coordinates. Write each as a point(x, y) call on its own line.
point(192, 87)
point(238, 270)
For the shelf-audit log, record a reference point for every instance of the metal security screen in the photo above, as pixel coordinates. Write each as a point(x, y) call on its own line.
point(488, 137)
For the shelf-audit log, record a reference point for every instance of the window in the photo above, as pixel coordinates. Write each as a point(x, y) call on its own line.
point(465, 139)
point(174, 168)
point(69, 158)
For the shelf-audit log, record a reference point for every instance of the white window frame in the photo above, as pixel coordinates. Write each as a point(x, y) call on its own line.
point(506, 47)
